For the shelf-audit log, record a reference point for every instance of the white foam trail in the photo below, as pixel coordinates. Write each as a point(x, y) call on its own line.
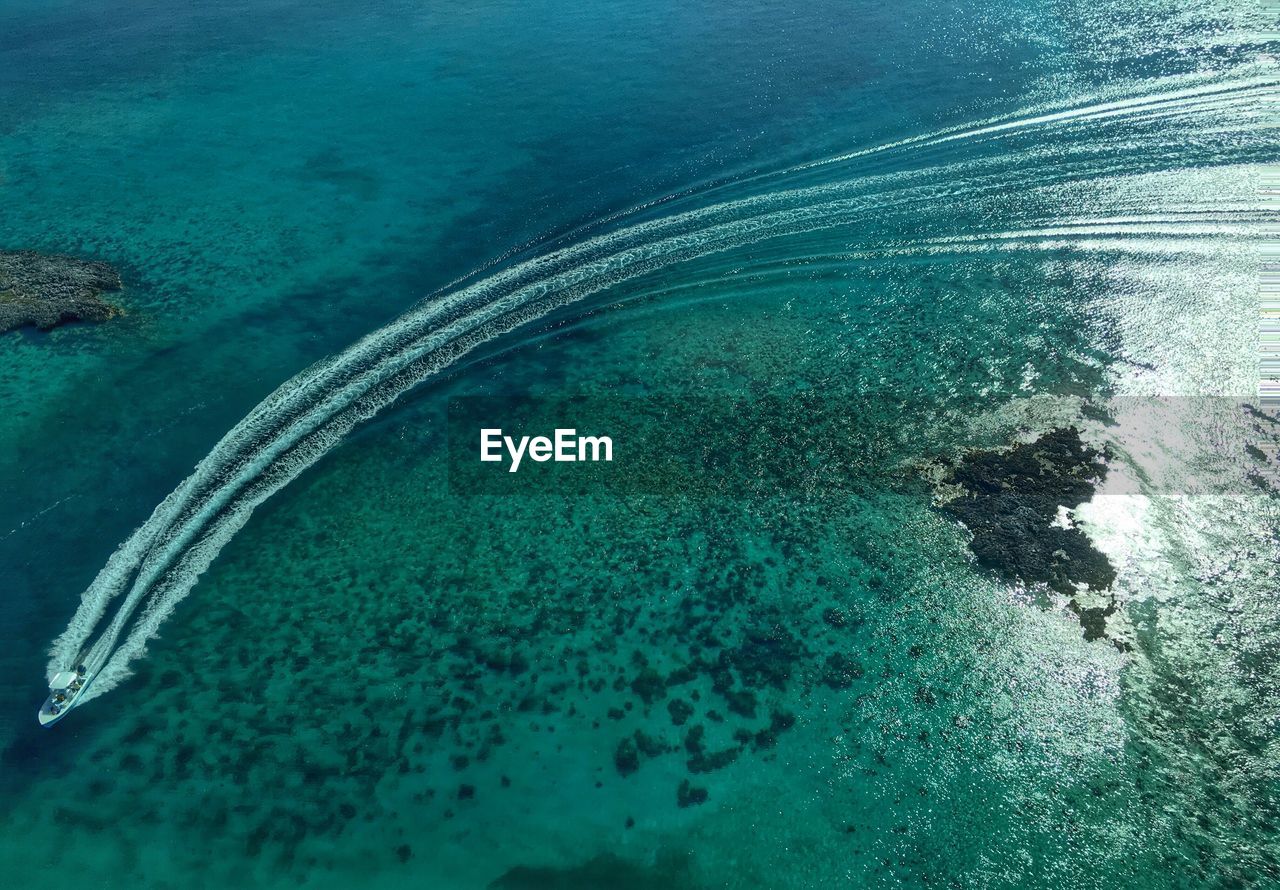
point(306, 416)
point(1245, 91)
point(1174, 101)
point(391, 351)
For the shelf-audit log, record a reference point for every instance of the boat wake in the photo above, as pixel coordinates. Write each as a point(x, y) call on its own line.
point(867, 193)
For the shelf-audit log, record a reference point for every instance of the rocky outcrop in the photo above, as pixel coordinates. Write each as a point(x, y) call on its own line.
point(44, 291)
point(1011, 500)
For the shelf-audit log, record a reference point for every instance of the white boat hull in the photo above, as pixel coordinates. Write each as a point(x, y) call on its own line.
point(53, 710)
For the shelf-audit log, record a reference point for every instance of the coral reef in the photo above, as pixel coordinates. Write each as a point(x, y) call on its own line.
point(1012, 502)
point(44, 291)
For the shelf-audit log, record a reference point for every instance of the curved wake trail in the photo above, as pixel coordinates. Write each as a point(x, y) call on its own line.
point(296, 425)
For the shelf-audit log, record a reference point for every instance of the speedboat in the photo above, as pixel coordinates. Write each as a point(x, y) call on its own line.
point(65, 690)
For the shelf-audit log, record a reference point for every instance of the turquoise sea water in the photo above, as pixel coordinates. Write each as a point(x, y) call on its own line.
point(990, 211)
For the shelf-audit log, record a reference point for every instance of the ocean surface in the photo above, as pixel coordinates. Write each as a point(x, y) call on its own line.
point(946, 224)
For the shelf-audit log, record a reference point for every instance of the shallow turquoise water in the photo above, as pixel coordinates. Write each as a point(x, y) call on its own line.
point(381, 679)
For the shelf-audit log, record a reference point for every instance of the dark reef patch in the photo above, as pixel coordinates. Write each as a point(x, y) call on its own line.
point(1263, 472)
point(690, 687)
point(680, 711)
point(688, 796)
point(766, 656)
point(44, 291)
point(649, 686)
point(626, 758)
point(1010, 499)
point(603, 871)
point(648, 745)
point(840, 671)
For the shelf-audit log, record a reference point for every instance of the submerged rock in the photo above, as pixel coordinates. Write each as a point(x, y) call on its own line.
point(44, 291)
